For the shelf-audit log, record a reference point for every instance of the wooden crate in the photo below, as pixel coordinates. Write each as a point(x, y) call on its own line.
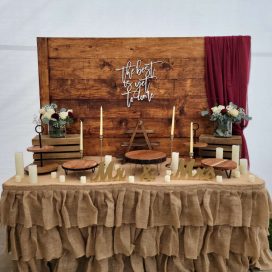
point(214, 142)
point(64, 148)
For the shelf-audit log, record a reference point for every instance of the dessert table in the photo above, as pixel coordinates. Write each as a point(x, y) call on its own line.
point(185, 225)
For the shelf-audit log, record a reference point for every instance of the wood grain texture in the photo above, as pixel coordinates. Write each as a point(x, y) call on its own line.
point(82, 76)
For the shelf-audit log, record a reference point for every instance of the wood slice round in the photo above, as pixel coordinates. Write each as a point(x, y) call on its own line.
point(145, 157)
point(45, 169)
point(220, 164)
point(79, 165)
point(197, 144)
point(37, 149)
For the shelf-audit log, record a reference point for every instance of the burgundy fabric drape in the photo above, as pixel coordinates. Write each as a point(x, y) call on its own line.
point(227, 68)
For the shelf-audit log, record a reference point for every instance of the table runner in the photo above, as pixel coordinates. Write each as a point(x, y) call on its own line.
point(187, 225)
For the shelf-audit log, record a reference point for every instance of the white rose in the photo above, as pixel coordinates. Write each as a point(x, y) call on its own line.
point(47, 115)
point(63, 115)
point(42, 111)
point(215, 110)
point(50, 110)
point(234, 112)
point(220, 107)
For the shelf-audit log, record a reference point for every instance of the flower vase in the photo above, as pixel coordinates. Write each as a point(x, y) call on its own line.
point(56, 132)
point(223, 128)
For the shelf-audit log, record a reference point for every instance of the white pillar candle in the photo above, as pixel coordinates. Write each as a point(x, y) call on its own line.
point(251, 178)
point(131, 179)
point(243, 166)
point(194, 172)
point(53, 175)
point(167, 178)
point(174, 162)
point(168, 172)
point(235, 154)
point(83, 179)
point(19, 164)
point(191, 138)
point(173, 121)
point(219, 152)
point(33, 173)
point(219, 178)
point(61, 178)
point(81, 136)
point(237, 174)
point(18, 178)
point(101, 121)
point(108, 159)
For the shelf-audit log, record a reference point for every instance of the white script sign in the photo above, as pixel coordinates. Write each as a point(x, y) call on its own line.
point(142, 73)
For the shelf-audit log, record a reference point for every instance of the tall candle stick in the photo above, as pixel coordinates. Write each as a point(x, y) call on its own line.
point(173, 121)
point(81, 136)
point(101, 121)
point(19, 164)
point(191, 138)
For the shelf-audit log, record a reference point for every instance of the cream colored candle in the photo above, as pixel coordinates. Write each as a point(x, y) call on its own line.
point(174, 162)
point(235, 154)
point(18, 178)
point(19, 164)
point(131, 179)
point(167, 178)
point(81, 136)
point(108, 159)
point(168, 172)
point(191, 138)
point(219, 152)
point(62, 178)
point(237, 174)
point(53, 175)
point(243, 166)
point(219, 179)
point(33, 173)
point(83, 179)
point(173, 121)
point(101, 121)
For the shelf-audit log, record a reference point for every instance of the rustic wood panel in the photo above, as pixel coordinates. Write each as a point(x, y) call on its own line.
point(80, 73)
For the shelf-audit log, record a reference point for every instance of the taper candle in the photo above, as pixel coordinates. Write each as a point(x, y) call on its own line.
point(81, 136)
point(19, 164)
point(32, 170)
point(191, 138)
point(243, 166)
point(219, 152)
point(173, 121)
point(101, 121)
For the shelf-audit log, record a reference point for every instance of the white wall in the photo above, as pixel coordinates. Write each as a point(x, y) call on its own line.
point(22, 21)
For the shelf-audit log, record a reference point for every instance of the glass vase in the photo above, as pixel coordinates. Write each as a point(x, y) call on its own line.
point(56, 132)
point(223, 128)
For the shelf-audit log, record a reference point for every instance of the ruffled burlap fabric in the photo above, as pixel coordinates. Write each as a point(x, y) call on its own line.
point(138, 228)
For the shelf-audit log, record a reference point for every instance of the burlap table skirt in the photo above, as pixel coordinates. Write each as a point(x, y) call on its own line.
point(135, 227)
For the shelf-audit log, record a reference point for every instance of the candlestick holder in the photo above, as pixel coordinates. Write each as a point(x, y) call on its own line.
point(101, 147)
point(81, 154)
point(168, 165)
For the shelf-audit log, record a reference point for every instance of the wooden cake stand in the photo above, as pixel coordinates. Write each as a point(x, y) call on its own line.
point(41, 168)
point(79, 165)
point(220, 164)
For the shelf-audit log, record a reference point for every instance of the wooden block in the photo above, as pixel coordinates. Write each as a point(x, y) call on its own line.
point(211, 154)
point(70, 139)
point(210, 139)
point(64, 155)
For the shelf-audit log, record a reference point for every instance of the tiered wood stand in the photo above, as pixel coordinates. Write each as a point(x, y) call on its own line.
point(64, 149)
point(213, 142)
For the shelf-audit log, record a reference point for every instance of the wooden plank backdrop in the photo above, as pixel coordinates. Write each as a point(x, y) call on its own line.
point(80, 73)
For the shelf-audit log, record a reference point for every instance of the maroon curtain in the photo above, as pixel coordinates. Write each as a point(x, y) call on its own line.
point(227, 63)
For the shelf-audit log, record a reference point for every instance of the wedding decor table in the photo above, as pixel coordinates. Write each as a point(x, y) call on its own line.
point(184, 225)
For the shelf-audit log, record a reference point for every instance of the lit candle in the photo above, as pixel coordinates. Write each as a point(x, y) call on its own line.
point(19, 164)
point(33, 174)
point(108, 159)
point(61, 178)
point(174, 162)
point(53, 175)
point(219, 152)
point(235, 154)
point(173, 121)
point(251, 178)
point(219, 178)
point(81, 136)
point(83, 179)
point(167, 178)
point(168, 172)
point(191, 138)
point(101, 121)
point(243, 166)
point(131, 179)
point(18, 178)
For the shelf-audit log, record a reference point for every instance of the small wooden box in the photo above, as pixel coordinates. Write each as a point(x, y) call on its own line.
point(213, 142)
point(65, 149)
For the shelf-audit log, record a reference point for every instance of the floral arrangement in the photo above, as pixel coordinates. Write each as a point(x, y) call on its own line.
point(50, 116)
point(231, 113)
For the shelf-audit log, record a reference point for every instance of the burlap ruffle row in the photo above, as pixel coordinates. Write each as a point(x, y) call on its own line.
point(137, 229)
